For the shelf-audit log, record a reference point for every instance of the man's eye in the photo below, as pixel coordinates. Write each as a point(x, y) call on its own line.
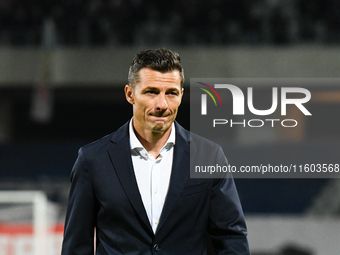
point(172, 93)
point(150, 92)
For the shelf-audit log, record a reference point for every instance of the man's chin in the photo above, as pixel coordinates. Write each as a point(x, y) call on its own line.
point(160, 128)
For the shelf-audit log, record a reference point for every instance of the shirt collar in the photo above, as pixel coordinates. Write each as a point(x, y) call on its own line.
point(136, 145)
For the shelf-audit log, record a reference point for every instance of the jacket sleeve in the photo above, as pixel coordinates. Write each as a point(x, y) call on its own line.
point(227, 227)
point(80, 216)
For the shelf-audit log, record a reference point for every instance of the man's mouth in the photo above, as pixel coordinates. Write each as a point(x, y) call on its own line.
point(160, 117)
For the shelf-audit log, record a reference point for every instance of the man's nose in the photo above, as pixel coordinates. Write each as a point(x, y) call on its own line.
point(161, 103)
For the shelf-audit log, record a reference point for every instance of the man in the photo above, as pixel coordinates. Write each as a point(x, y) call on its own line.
point(134, 187)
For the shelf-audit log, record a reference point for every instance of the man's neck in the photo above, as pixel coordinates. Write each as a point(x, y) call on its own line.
point(152, 141)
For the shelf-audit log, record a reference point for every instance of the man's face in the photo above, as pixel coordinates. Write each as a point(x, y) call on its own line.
point(155, 100)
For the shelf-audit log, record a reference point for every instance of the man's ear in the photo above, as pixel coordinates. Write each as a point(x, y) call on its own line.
point(129, 94)
point(182, 92)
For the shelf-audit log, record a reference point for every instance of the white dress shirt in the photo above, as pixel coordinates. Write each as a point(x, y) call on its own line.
point(152, 175)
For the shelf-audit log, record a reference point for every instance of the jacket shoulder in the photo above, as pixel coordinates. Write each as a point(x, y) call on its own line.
point(200, 141)
point(104, 143)
point(99, 144)
point(196, 141)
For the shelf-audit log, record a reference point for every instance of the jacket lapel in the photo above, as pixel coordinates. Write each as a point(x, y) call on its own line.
point(120, 155)
point(180, 171)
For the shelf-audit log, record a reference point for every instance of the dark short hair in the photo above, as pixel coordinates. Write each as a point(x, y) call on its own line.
point(161, 60)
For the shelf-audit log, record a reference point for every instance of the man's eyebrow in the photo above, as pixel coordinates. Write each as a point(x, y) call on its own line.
point(173, 89)
point(150, 88)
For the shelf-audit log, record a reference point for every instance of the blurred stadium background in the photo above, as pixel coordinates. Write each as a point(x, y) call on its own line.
point(63, 68)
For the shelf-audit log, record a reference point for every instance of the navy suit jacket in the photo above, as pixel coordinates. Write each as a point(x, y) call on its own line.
point(104, 196)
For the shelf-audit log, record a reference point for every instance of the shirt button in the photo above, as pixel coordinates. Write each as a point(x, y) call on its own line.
point(156, 191)
point(156, 247)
